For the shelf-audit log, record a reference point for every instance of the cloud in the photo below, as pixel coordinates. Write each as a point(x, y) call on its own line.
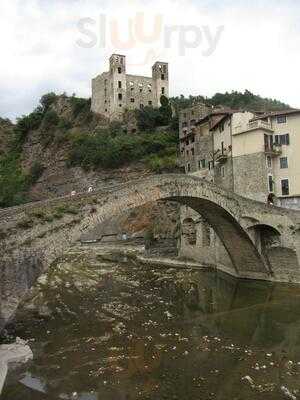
point(257, 46)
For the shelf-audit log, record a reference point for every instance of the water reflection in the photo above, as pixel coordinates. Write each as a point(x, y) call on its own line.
point(124, 331)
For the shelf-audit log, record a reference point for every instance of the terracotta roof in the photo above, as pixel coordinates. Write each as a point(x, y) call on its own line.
point(277, 113)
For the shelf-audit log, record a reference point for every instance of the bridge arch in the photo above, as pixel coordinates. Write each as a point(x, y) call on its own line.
point(221, 210)
point(28, 249)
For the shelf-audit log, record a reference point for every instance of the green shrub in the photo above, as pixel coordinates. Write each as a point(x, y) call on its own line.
point(80, 105)
point(47, 100)
point(12, 181)
point(64, 124)
point(50, 120)
point(103, 150)
point(35, 172)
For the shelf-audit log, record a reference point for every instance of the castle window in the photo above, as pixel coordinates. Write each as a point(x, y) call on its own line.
point(132, 100)
point(120, 85)
point(141, 90)
point(132, 89)
point(162, 90)
point(120, 96)
point(150, 103)
point(141, 106)
point(120, 105)
point(119, 70)
point(106, 110)
point(162, 77)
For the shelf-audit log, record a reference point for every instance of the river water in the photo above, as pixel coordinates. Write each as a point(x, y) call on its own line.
point(105, 327)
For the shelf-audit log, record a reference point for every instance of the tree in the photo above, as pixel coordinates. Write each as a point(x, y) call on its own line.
point(47, 100)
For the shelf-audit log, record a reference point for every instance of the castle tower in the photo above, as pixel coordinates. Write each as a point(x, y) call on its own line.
point(117, 71)
point(160, 77)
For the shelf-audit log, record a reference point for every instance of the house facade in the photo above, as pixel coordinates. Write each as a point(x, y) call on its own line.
point(249, 154)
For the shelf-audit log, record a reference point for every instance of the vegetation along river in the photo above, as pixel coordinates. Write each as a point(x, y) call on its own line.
point(105, 327)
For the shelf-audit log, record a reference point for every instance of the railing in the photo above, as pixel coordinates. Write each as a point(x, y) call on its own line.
point(221, 156)
point(258, 124)
point(274, 149)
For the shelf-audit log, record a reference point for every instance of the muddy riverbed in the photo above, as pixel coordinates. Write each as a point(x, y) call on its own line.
point(105, 327)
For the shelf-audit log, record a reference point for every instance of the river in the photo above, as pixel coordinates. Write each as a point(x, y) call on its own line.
point(105, 327)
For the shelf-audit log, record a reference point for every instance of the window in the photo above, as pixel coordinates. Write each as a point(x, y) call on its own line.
point(150, 103)
point(202, 163)
point(120, 105)
point(285, 187)
point(283, 162)
point(281, 119)
point(120, 85)
point(132, 100)
point(162, 90)
point(188, 167)
point(120, 96)
point(282, 139)
point(221, 127)
point(141, 106)
point(119, 70)
point(222, 172)
point(210, 165)
point(106, 110)
point(222, 147)
point(193, 152)
point(269, 162)
point(162, 77)
point(270, 183)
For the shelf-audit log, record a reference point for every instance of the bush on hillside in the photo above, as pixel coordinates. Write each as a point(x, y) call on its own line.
point(106, 151)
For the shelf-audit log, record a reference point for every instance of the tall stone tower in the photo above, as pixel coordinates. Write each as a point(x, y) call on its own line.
point(160, 78)
point(117, 70)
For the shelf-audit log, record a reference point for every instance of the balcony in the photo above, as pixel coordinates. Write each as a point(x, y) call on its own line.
point(252, 126)
point(273, 150)
point(222, 156)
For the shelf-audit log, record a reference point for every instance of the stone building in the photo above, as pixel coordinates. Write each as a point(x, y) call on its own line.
point(251, 155)
point(115, 91)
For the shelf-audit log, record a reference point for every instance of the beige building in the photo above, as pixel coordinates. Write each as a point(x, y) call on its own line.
point(252, 155)
point(115, 91)
point(248, 154)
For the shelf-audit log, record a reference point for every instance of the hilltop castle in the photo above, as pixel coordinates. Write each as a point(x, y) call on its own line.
point(115, 91)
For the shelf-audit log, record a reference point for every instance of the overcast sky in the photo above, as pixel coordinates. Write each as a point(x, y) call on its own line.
point(211, 45)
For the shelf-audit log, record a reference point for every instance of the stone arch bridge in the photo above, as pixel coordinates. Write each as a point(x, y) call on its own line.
point(32, 236)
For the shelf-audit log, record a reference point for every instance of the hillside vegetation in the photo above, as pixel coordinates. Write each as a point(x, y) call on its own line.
point(66, 126)
point(235, 100)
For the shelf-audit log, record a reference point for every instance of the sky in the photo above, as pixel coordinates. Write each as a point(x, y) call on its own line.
point(211, 46)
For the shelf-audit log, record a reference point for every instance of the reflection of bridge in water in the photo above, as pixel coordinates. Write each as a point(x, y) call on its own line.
point(35, 235)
